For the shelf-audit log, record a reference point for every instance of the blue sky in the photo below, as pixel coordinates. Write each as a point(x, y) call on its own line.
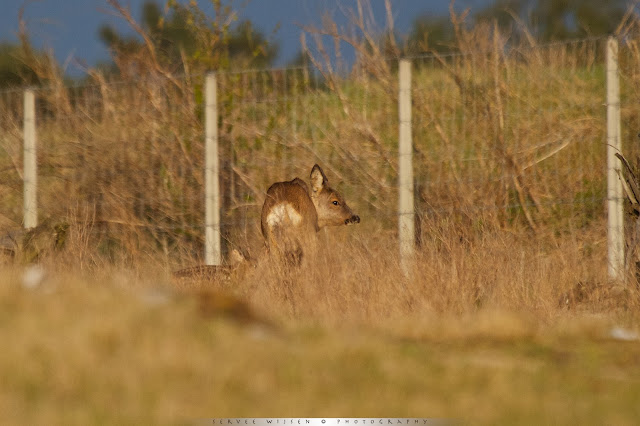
point(69, 27)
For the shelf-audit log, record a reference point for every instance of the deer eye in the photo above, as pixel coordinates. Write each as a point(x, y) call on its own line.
point(335, 203)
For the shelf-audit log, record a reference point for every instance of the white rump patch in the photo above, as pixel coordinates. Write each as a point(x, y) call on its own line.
point(283, 214)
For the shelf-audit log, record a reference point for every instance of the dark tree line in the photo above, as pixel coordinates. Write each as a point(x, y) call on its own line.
point(546, 20)
point(182, 35)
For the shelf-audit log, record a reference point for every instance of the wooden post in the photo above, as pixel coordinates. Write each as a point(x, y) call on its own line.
point(406, 211)
point(615, 224)
point(212, 180)
point(30, 212)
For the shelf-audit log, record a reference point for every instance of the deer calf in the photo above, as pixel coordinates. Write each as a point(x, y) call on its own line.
point(292, 214)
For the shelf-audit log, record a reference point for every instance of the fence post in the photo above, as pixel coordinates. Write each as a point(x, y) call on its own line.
point(30, 208)
point(615, 224)
point(406, 211)
point(212, 167)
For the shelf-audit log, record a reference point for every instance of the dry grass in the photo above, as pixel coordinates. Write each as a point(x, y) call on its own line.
point(357, 278)
point(505, 318)
point(489, 140)
point(476, 333)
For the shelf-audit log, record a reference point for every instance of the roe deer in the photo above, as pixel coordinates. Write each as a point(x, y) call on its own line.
point(292, 213)
point(220, 274)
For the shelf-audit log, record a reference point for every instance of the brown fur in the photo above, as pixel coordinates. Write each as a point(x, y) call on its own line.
point(296, 193)
point(301, 211)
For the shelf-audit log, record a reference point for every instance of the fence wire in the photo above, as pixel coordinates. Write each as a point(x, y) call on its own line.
point(514, 138)
point(518, 136)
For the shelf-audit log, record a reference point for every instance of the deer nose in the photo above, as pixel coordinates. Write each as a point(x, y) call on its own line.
point(353, 219)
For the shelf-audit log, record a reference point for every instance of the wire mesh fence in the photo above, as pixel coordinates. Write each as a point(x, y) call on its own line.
point(504, 137)
point(11, 118)
point(516, 135)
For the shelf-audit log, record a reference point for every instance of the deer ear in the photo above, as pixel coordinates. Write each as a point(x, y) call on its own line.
point(318, 178)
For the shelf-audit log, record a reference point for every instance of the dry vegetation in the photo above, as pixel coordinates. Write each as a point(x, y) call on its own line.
point(477, 333)
point(507, 316)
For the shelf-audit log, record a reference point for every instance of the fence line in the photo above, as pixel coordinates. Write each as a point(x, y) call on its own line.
point(514, 137)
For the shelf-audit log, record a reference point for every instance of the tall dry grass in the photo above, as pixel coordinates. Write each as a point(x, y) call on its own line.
point(357, 278)
point(508, 157)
